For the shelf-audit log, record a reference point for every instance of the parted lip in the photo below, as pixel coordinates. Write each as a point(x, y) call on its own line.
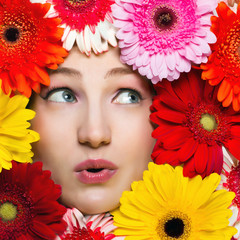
point(95, 171)
point(95, 164)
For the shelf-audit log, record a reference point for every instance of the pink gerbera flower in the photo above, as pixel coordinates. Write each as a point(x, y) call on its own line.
point(92, 227)
point(88, 23)
point(161, 38)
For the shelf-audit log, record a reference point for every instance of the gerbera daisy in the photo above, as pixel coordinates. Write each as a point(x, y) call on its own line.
point(230, 178)
point(28, 206)
point(29, 42)
point(89, 23)
point(223, 65)
point(92, 227)
point(161, 38)
point(15, 137)
point(193, 126)
point(166, 205)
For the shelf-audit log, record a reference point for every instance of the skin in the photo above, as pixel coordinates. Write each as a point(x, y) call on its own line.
point(99, 120)
point(231, 2)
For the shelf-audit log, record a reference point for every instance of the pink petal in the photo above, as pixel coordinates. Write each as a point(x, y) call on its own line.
point(170, 61)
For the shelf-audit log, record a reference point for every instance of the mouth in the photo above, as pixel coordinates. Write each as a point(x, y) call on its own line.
point(94, 171)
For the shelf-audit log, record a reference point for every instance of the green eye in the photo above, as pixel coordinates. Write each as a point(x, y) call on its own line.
point(127, 97)
point(62, 96)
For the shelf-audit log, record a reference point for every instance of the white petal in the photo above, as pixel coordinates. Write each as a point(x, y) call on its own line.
point(96, 41)
point(87, 42)
point(66, 32)
point(68, 43)
point(80, 42)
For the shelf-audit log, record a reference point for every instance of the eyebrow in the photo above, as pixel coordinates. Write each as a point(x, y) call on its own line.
point(75, 73)
point(118, 71)
point(67, 71)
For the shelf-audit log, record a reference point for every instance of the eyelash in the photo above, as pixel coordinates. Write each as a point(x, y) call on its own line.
point(134, 90)
point(51, 90)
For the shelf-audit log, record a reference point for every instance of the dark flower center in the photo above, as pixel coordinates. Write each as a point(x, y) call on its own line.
point(12, 34)
point(164, 18)
point(174, 227)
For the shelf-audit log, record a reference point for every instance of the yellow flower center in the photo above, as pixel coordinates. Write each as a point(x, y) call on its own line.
point(174, 225)
point(8, 211)
point(75, 3)
point(208, 122)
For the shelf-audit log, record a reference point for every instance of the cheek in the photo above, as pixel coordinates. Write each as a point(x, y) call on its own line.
point(135, 144)
point(53, 133)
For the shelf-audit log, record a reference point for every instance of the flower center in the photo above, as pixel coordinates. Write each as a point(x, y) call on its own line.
point(208, 122)
point(12, 34)
point(229, 53)
point(174, 225)
point(164, 18)
point(233, 183)
point(83, 233)
point(75, 3)
point(15, 210)
point(8, 211)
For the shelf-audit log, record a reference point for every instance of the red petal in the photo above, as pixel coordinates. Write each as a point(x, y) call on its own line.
point(42, 230)
point(201, 158)
point(171, 115)
point(233, 147)
point(176, 138)
point(187, 150)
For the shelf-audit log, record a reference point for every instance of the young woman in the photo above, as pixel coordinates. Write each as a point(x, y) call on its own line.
point(95, 132)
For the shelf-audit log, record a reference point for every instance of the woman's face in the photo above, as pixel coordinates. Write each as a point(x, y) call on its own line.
point(95, 130)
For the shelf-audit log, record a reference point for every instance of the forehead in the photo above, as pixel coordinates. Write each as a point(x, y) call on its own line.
point(94, 63)
point(97, 70)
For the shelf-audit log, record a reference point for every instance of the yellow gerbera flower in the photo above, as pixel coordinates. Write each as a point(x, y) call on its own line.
point(168, 206)
point(15, 138)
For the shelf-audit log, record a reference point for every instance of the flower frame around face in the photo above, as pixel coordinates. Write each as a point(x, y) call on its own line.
point(28, 204)
point(86, 23)
point(223, 66)
point(97, 227)
point(193, 126)
point(15, 137)
point(167, 205)
point(29, 42)
point(162, 38)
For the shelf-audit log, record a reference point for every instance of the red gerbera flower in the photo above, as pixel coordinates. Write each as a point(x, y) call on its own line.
point(84, 234)
point(78, 13)
point(28, 206)
point(91, 227)
point(193, 126)
point(223, 66)
point(28, 43)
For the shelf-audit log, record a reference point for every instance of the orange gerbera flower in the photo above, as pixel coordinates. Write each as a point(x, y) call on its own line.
point(28, 43)
point(223, 66)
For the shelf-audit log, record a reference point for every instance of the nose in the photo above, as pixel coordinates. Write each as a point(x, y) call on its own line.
point(94, 130)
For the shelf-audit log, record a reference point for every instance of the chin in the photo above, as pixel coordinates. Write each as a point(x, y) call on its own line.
point(96, 208)
point(90, 202)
